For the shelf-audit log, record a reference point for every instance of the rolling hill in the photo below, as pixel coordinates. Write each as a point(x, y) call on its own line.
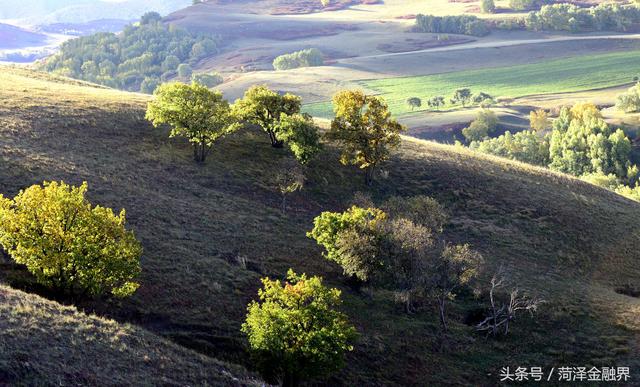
point(211, 231)
point(15, 37)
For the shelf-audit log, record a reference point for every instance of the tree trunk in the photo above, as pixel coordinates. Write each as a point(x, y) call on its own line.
point(368, 175)
point(443, 317)
point(274, 140)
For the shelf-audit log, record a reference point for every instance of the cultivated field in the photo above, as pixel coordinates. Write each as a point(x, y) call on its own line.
point(573, 74)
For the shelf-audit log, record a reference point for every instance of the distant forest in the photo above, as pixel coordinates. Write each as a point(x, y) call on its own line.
point(137, 59)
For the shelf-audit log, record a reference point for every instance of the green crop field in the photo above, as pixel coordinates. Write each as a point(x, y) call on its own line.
point(555, 76)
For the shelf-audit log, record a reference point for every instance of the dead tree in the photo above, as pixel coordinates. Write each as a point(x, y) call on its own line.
point(502, 313)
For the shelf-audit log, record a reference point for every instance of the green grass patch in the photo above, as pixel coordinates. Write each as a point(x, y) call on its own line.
point(555, 76)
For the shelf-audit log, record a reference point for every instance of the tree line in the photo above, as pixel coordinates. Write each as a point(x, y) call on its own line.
point(458, 24)
point(578, 142)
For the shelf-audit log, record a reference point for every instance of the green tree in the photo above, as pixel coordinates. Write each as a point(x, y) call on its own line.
point(67, 244)
point(335, 230)
point(295, 331)
point(476, 131)
point(629, 102)
point(194, 112)
point(526, 146)
point(364, 128)
point(436, 102)
point(264, 107)
point(462, 95)
point(414, 102)
point(582, 142)
point(170, 63)
point(487, 6)
point(301, 135)
point(148, 85)
point(150, 17)
point(304, 58)
point(185, 71)
point(486, 122)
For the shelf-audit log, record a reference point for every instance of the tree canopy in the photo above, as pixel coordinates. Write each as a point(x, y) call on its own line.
point(295, 330)
point(67, 244)
point(365, 130)
point(264, 107)
point(193, 111)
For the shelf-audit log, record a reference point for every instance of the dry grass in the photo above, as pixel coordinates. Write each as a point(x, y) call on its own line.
point(44, 343)
point(563, 239)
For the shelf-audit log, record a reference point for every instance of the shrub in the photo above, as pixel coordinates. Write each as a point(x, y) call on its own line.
point(422, 210)
point(185, 71)
point(487, 6)
point(304, 58)
point(336, 232)
point(301, 135)
point(629, 102)
point(67, 244)
point(295, 331)
point(207, 79)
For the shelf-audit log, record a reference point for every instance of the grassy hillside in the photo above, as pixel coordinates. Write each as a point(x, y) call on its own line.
point(572, 74)
point(44, 343)
point(211, 231)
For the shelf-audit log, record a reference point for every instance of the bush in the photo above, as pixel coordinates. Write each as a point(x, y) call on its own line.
point(304, 58)
point(67, 244)
point(629, 102)
point(209, 80)
point(295, 331)
point(333, 230)
point(487, 6)
point(185, 71)
point(420, 209)
point(486, 122)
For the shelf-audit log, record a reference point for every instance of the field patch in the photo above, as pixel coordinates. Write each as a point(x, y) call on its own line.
point(548, 77)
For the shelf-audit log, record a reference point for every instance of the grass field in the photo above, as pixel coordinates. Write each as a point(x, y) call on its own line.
point(211, 231)
point(555, 76)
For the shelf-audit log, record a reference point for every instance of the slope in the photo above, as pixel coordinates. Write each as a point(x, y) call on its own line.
point(44, 343)
point(211, 231)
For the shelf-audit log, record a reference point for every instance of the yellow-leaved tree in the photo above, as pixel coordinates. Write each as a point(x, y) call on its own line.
point(67, 244)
